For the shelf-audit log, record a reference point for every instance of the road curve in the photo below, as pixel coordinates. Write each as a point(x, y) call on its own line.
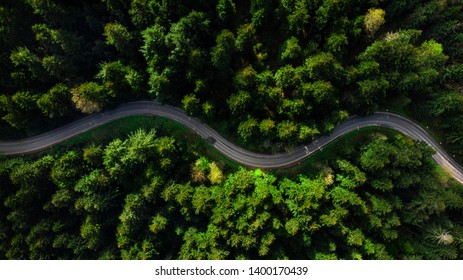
point(254, 160)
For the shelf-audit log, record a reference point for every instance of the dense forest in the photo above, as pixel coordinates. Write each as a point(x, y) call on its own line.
point(288, 70)
point(151, 196)
point(269, 75)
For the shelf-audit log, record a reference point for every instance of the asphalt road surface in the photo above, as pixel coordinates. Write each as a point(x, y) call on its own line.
point(238, 154)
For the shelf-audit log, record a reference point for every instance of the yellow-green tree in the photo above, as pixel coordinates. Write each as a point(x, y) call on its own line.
point(373, 20)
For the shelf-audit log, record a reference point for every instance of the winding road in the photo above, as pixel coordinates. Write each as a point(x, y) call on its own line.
point(254, 160)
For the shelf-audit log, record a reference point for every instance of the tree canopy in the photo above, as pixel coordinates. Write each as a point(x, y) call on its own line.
point(269, 75)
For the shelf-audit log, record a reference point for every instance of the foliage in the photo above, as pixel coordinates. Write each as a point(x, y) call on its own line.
point(278, 73)
point(374, 19)
point(120, 201)
point(293, 62)
point(88, 97)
